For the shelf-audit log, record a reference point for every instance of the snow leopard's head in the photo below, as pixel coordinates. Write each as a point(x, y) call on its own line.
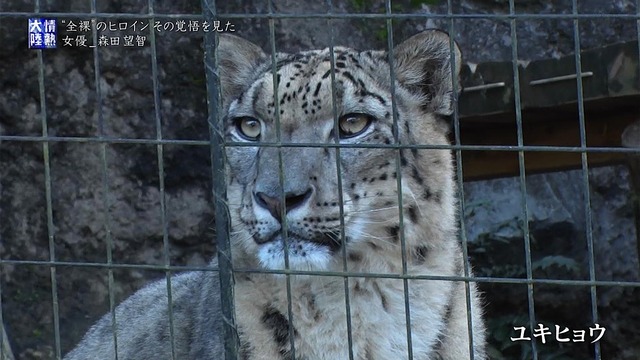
point(290, 184)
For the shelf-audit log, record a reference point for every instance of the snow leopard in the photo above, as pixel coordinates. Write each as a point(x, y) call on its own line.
point(336, 164)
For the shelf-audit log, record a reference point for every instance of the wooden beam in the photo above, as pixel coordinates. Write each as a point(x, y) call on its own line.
point(601, 131)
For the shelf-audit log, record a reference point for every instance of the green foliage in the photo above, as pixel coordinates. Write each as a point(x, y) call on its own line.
point(419, 3)
point(545, 267)
point(496, 256)
point(395, 6)
point(380, 29)
point(550, 263)
point(501, 347)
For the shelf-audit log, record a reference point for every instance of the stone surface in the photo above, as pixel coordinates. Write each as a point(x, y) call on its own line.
point(120, 208)
point(558, 228)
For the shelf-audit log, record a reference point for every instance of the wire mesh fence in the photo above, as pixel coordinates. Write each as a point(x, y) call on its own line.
point(102, 171)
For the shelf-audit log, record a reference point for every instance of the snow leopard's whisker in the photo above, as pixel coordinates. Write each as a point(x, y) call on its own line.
point(415, 200)
point(361, 233)
point(236, 232)
point(384, 239)
point(353, 201)
point(367, 211)
point(239, 230)
point(374, 222)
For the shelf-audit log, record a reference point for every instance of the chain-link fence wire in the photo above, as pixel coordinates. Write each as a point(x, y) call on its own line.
point(217, 146)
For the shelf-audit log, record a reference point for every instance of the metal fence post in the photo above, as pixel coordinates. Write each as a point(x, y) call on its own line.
point(219, 186)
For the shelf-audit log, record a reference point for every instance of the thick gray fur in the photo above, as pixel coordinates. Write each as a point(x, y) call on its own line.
point(143, 323)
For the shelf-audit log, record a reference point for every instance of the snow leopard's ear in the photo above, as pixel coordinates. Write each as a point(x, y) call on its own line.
point(422, 64)
point(237, 61)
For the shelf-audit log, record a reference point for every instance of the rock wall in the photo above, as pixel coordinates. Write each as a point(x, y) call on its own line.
point(559, 230)
point(92, 207)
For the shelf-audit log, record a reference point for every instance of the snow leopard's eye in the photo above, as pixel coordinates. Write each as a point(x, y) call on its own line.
point(248, 127)
point(354, 124)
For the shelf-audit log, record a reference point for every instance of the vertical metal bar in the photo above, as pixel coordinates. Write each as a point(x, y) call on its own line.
point(522, 175)
point(638, 42)
point(3, 335)
point(105, 181)
point(160, 153)
point(394, 110)
point(585, 173)
point(460, 182)
point(5, 347)
point(281, 167)
point(336, 125)
point(219, 190)
point(49, 203)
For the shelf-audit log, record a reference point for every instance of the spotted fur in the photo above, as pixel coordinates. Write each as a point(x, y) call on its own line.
point(390, 199)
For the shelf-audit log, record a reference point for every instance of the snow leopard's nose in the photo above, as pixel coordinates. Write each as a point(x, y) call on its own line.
point(274, 204)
